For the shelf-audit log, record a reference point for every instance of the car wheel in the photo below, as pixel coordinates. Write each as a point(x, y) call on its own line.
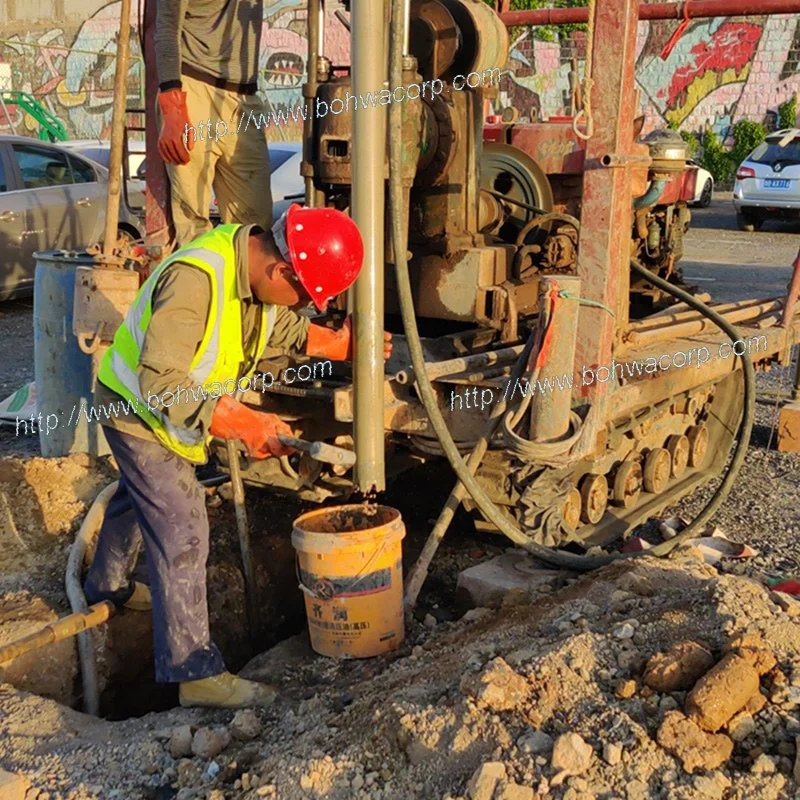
point(747, 223)
point(705, 195)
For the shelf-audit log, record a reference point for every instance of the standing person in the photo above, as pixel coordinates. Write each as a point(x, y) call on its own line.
point(207, 60)
point(203, 319)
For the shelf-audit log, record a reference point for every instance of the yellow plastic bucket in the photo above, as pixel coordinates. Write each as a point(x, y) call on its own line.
point(351, 573)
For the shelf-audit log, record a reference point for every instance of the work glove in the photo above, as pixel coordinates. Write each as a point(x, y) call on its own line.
point(257, 430)
point(338, 345)
point(175, 121)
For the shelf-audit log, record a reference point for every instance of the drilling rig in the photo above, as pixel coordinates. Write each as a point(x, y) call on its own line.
point(511, 267)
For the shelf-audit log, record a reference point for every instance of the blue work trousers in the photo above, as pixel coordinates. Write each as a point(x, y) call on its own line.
point(161, 503)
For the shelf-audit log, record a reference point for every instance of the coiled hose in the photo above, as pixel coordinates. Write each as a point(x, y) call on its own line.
point(490, 511)
point(86, 535)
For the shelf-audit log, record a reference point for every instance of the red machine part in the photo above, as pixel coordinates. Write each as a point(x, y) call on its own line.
point(691, 9)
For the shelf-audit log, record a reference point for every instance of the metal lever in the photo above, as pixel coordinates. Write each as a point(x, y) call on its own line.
point(320, 451)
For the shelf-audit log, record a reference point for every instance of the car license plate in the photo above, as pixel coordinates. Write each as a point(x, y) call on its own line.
point(777, 183)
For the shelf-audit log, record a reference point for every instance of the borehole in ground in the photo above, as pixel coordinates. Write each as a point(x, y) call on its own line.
point(42, 503)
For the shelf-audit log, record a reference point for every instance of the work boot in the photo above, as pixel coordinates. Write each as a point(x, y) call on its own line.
point(226, 691)
point(141, 599)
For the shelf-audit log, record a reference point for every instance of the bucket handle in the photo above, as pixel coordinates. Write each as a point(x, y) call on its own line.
point(325, 591)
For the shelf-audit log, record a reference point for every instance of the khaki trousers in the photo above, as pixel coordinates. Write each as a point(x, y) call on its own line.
point(235, 163)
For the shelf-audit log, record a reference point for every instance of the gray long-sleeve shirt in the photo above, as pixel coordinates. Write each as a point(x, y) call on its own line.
point(214, 39)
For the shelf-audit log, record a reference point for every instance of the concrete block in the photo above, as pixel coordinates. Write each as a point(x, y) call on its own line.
point(789, 428)
point(507, 579)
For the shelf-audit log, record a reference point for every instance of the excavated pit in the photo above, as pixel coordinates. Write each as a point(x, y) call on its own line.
point(42, 504)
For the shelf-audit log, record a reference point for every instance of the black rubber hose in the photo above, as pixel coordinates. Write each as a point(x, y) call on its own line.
point(488, 508)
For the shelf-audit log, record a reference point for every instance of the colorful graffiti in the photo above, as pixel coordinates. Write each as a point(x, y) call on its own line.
point(720, 70)
point(73, 76)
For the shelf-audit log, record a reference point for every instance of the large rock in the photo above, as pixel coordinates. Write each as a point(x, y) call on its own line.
point(498, 687)
point(722, 692)
point(485, 780)
point(694, 747)
point(507, 579)
point(12, 786)
point(571, 756)
point(754, 650)
point(679, 668)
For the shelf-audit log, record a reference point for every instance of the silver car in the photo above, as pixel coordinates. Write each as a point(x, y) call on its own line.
point(768, 181)
point(50, 199)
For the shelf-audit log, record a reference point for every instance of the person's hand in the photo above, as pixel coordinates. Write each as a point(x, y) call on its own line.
point(338, 345)
point(387, 345)
point(257, 430)
point(264, 441)
point(177, 133)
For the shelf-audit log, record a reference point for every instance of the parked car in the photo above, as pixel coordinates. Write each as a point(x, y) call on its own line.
point(703, 185)
point(285, 180)
point(50, 199)
point(99, 151)
point(768, 181)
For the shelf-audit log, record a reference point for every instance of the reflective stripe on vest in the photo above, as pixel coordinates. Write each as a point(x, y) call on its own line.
point(214, 254)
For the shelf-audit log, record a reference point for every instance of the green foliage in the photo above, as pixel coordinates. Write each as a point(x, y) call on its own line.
point(787, 113)
point(747, 135)
point(547, 33)
point(715, 158)
point(692, 142)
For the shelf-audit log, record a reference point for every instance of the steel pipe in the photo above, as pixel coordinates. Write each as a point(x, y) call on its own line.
point(664, 320)
point(309, 95)
point(701, 325)
point(454, 366)
point(693, 9)
point(793, 290)
point(368, 211)
point(117, 130)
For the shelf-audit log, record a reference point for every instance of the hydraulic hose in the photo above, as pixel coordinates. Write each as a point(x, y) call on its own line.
point(488, 508)
point(77, 600)
point(86, 535)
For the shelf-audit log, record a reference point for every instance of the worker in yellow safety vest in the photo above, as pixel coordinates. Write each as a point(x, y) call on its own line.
point(198, 328)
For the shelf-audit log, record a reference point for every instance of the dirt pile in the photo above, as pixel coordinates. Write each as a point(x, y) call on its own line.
point(617, 686)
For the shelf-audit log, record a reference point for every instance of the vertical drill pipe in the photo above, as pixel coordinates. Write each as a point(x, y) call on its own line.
point(117, 129)
point(367, 209)
point(309, 93)
point(550, 411)
point(606, 207)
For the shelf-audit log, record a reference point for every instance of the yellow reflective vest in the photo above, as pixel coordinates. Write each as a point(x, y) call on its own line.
point(220, 356)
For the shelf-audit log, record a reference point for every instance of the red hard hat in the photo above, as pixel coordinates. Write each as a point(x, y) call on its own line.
point(325, 248)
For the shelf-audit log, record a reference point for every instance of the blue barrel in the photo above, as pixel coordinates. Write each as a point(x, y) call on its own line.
point(63, 372)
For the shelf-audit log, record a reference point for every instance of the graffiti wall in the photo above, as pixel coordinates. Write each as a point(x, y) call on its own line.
point(720, 70)
point(70, 71)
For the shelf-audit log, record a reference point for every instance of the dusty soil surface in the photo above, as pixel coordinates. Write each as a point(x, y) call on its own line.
point(553, 696)
point(545, 699)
